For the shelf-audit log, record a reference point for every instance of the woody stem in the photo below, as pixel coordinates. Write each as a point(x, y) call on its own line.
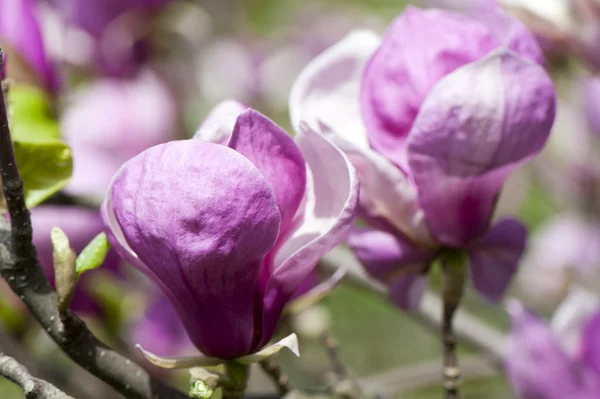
point(452, 292)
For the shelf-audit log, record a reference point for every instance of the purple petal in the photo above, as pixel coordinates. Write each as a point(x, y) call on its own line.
point(536, 365)
point(327, 90)
point(220, 121)
point(20, 31)
point(323, 221)
point(495, 258)
point(81, 225)
point(590, 343)
point(394, 261)
point(407, 291)
point(476, 126)
point(200, 217)
point(277, 157)
point(142, 114)
point(591, 99)
point(402, 72)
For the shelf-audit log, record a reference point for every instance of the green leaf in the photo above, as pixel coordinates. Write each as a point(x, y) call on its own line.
point(65, 276)
point(93, 254)
point(44, 161)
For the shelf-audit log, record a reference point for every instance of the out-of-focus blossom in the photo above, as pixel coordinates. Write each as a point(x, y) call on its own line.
point(538, 363)
point(434, 125)
point(229, 232)
point(20, 36)
point(113, 32)
point(160, 329)
point(260, 71)
point(566, 25)
point(81, 225)
point(110, 121)
point(591, 103)
point(563, 251)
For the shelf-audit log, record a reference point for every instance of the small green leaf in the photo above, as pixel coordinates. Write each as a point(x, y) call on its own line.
point(65, 276)
point(93, 254)
point(45, 168)
point(44, 161)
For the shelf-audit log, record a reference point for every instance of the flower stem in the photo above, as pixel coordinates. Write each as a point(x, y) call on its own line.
point(452, 292)
point(238, 374)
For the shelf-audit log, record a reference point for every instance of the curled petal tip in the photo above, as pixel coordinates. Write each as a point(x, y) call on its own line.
point(166, 362)
point(290, 342)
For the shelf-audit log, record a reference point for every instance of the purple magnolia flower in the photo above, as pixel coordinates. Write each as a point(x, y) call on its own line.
point(81, 225)
point(229, 231)
point(20, 32)
point(112, 120)
point(434, 125)
point(541, 365)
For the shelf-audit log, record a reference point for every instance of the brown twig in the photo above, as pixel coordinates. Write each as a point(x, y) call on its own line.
point(271, 367)
point(338, 367)
point(34, 388)
point(20, 267)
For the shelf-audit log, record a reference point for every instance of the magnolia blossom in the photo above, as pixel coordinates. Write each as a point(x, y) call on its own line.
point(20, 33)
point(112, 120)
point(560, 360)
point(434, 116)
point(81, 226)
point(229, 231)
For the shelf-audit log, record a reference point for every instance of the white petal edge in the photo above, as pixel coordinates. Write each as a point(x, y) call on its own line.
point(316, 294)
point(167, 362)
point(572, 314)
point(219, 123)
point(290, 342)
point(328, 89)
point(324, 210)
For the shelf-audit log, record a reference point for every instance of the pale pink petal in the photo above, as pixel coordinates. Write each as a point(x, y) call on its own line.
point(327, 90)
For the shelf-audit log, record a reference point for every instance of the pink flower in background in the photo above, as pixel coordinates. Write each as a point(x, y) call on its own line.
point(20, 32)
point(229, 232)
point(564, 251)
point(434, 125)
point(556, 361)
point(117, 31)
point(111, 120)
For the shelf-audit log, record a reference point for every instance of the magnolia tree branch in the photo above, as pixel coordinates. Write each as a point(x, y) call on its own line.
point(20, 267)
point(468, 328)
point(34, 388)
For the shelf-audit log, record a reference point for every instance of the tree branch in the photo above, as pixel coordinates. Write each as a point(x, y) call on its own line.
point(34, 388)
point(19, 266)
